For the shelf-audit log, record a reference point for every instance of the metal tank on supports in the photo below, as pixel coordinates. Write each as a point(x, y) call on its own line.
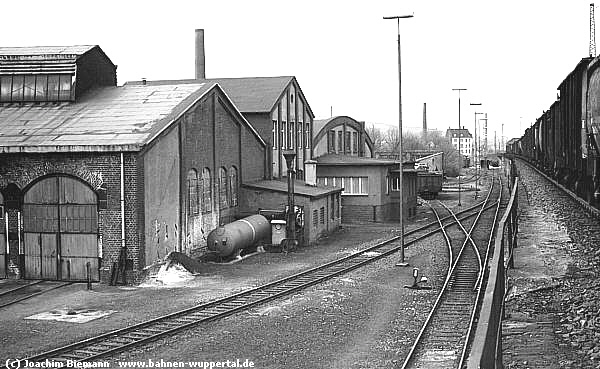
point(236, 236)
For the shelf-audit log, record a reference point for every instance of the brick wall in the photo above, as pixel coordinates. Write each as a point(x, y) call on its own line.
point(98, 170)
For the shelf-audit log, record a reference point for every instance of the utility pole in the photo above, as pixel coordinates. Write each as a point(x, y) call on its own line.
point(460, 159)
point(592, 32)
point(401, 173)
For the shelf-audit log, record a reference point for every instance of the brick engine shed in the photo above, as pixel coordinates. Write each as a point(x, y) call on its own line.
point(89, 170)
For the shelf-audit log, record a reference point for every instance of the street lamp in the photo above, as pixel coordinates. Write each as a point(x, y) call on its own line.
point(459, 154)
point(485, 142)
point(289, 156)
point(400, 192)
point(475, 156)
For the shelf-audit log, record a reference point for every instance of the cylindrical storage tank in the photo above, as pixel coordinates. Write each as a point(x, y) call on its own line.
point(238, 235)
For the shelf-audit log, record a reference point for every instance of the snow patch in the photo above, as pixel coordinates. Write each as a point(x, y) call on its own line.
point(71, 315)
point(169, 275)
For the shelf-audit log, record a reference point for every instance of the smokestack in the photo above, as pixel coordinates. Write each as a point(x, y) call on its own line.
point(425, 120)
point(200, 66)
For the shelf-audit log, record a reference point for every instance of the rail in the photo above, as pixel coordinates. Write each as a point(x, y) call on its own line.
point(486, 351)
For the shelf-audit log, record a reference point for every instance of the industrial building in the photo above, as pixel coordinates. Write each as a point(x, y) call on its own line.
point(88, 169)
point(97, 179)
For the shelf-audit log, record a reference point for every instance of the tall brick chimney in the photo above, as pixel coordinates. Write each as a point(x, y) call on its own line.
point(200, 66)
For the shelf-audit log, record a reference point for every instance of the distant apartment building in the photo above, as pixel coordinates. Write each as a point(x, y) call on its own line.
point(461, 140)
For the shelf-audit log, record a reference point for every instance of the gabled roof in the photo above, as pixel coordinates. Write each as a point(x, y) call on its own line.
point(254, 94)
point(111, 118)
point(249, 94)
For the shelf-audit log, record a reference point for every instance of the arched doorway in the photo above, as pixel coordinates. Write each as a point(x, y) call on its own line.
point(60, 230)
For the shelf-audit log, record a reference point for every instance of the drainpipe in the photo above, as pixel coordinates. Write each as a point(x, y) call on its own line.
point(122, 202)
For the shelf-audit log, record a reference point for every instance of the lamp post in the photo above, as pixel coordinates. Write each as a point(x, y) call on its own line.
point(459, 154)
point(485, 142)
point(289, 156)
point(400, 184)
point(475, 156)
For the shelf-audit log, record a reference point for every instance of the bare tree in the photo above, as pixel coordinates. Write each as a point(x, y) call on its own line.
point(376, 136)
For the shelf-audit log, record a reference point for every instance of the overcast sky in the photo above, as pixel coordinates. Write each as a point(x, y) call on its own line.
point(510, 55)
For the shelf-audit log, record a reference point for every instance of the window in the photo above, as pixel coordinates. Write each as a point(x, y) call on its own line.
point(29, 88)
point(41, 87)
point(5, 88)
point(395, 183)
point(347, 143)
point(340, 141)
point(292, 135)
point(192, 187)
point(331, 139)
point(17, 88)
point(337, 205)
point(206, 191)
point(322, 215)
point(315, 218)
point(65, 87)
point(350, 185)
point(233, 186)
point(307, 134)
point(223, 201)
point(284, 134)
point(354, 142)
point(274, 138)
point(53, 87)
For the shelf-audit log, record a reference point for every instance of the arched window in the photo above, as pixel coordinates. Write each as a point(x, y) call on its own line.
point(192, 188)
point(206, 191)
point(223, 201)
point(233, 186)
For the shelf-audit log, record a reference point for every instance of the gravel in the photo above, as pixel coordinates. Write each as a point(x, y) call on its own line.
point(571, 301)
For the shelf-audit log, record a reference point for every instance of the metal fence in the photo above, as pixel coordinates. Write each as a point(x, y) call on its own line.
point(486, 351)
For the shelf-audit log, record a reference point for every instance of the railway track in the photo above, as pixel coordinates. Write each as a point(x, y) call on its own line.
point(127, 338)
point(27, 291)
point(444, 336)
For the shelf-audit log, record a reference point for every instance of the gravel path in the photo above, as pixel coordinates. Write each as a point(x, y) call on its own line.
point(554, 307)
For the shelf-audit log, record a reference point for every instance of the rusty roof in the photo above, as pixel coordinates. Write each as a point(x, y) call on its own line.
point(110, 118)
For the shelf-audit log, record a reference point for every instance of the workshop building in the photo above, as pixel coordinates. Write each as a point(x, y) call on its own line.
point(99, 180)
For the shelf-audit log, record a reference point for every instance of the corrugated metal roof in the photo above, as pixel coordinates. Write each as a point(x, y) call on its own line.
point(45, 51)
point(42, 59)
point(106, 119)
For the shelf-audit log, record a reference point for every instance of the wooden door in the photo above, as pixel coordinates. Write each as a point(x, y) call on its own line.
point(60, 224)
